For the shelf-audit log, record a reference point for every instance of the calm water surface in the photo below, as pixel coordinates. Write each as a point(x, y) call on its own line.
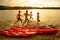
point(50, 16)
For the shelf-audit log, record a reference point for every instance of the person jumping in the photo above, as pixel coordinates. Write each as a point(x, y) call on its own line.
point(19, 17)
point(26, 17)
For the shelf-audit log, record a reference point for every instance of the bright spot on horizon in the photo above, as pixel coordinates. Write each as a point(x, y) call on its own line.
point(34, 12)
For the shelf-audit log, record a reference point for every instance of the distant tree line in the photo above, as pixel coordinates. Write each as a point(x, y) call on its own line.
point(20, 7)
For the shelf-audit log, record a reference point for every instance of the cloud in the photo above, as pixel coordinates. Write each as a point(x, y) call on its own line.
point(40, 3)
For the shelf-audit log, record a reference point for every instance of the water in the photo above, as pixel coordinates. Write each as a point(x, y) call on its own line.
point(48, 16)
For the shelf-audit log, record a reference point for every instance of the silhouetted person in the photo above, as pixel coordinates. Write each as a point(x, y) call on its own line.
point(38, 20)
point(31, 15)
point(26, 17)
point(19, 17)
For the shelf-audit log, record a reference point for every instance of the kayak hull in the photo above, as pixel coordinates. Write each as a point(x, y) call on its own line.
point(28, 31)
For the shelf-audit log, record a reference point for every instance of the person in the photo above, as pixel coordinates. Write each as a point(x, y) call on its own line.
point(38, 18)
point(31, 15)
point(19, 17)
point(26, 17)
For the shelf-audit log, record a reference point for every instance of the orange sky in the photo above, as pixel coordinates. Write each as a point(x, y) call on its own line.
point(34, 3)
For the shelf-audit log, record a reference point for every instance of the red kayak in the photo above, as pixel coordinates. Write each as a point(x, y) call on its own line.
point(12, 33)
point(47, 31)
point(0, 31)
point(19, 31)
point(28, 31)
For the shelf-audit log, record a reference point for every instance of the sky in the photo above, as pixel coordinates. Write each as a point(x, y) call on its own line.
point(33, 3)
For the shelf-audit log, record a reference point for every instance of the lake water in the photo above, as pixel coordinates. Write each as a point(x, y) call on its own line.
point(49, 16)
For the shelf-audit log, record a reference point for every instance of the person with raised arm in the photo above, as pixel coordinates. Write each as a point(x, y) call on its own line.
point(26, 17)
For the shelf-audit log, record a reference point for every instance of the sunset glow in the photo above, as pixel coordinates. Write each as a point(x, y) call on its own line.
point(34, 3)
point(34, 12)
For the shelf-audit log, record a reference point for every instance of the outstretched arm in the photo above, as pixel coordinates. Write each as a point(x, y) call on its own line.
point(28, 14)
point(21, 15)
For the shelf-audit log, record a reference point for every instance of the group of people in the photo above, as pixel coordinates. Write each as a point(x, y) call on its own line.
point(26, 17)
